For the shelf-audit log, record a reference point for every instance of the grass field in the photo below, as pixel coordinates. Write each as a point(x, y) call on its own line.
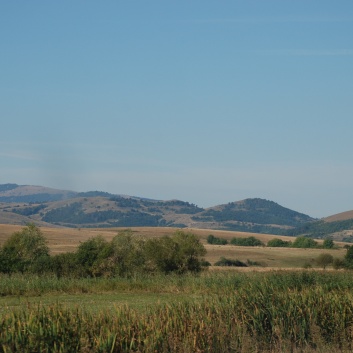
point(285, 311)
point(256, 309)
point(67, 239)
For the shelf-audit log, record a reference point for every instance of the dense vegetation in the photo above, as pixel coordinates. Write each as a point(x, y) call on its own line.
point(279, 243)
point(211, 239)
point(126, 255)
point(74, 214)
point(209, 311)
point(230, 263)
point(248, 241)
point(256, 312)
point(321, 229)
point(257, 211)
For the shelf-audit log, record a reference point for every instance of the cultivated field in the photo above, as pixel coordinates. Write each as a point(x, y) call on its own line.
point(67, 239)
point(275, 307)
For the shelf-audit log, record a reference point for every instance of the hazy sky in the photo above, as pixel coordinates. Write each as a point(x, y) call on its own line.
point(204, 101)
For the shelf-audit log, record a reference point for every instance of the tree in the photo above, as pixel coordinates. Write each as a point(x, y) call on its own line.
point(23, 249)
point(303, 242)
point(278, 243)
point(180, 253)
point(91, 253)
point(349, 257)
point(249, 241)
point(128, 254)
point(191, 250)
point(229, 262)
point(324, 260)
point(211, 239)
point(328, 243)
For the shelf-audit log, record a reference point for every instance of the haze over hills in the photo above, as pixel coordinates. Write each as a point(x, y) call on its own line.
point(20, 204)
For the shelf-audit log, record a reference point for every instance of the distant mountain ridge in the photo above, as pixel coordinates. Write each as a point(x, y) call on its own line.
point(32, 193)
point(20, 204)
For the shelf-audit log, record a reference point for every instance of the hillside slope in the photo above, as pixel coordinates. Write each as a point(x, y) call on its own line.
point(23, 204)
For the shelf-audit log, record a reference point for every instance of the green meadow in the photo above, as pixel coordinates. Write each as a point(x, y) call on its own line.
point(215, 311)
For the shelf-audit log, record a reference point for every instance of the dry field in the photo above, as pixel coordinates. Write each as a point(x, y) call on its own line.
point(67, 239)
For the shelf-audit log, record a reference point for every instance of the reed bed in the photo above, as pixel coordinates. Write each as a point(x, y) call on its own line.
point(205, 283)
point(258, 312)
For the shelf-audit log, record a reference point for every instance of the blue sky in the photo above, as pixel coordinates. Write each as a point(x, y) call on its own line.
point(204, 101)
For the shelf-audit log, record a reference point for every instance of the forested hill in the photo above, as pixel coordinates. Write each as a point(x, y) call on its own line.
point(255, 215)
point(20, 204)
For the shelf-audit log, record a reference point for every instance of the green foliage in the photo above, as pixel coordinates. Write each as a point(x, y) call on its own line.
point(349, 257)
point(328, 243)
point(301, 311)
point(258, 211)
point(128, 255)
point(23, 249)
point(90, 255)
point(211, 239)
point(125, 255)
point(321, 229)
point(229, 262)
point(249, 241)
point(323, 260)
point(303, 242)
point(65, 265)
point(278, 243)
point(74, 214)
point(180, 253)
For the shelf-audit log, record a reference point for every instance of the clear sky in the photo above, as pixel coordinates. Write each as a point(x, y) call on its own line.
point(204, 101)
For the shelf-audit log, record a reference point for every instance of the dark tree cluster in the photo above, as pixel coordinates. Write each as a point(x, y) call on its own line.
point(125, 255)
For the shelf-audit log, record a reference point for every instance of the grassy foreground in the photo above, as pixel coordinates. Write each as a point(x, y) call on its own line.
point(285, 311)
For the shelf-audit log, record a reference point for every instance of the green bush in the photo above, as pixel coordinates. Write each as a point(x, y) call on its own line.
point(211, 239)
point(324, 260)
point(303, 242)
point(23, 249)
point(180, 253)
point(229, 262)
point(249, 241)
point(278, 243)
point(328, 243)
point(125, 256)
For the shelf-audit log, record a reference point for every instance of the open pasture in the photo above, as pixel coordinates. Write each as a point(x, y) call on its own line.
point(67, 239)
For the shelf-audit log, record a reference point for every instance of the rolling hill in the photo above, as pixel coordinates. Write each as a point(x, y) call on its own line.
point(338, 226)
point(20, 204)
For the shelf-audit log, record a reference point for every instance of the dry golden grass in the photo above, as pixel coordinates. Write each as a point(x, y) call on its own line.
point(339, 217)
point(67, 239)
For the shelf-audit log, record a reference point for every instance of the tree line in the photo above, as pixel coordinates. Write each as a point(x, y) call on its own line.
point(27, 251)
point(299, 242)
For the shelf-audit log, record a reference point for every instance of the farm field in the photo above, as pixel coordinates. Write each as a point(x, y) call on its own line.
point(276, 306)
point(67, 239)
point(283, 311)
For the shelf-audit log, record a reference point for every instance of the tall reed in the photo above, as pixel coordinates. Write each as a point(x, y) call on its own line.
point(267, 312)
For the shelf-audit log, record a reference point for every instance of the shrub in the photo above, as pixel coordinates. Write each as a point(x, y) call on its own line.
point(324, 260)
point(91, 253)
point(229, 262)
point(328, 243)
point(211, 239)
point(303, 242)
point(249, 241)
point(278, 243)
point(23, 249)
point(180, 253)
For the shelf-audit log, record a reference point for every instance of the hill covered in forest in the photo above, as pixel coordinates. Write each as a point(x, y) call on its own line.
point(21, 204)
